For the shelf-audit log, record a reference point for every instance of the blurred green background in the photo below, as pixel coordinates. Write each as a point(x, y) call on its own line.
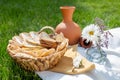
point(18, 16)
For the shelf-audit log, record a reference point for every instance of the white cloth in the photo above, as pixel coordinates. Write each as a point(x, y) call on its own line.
point(110, 71)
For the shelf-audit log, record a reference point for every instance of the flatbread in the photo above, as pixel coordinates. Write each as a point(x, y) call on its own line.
point(66, 63)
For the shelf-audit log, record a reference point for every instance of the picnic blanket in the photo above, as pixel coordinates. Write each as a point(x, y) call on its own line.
point(109, 71)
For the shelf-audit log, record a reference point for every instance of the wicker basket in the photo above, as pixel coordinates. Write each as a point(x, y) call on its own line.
point(38, 63)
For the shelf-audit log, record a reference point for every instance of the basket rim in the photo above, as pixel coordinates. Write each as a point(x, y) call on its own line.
point(35, 58)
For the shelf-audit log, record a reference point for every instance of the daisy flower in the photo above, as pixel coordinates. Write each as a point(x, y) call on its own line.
point(77, 61)
point(91, 33)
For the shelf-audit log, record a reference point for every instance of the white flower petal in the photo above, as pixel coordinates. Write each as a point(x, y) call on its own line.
point(77, 61)
point(91, 36)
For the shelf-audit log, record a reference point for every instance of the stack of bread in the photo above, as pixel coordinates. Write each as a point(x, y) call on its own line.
point(38, 51)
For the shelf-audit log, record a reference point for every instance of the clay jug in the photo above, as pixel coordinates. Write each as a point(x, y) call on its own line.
point(68, 27)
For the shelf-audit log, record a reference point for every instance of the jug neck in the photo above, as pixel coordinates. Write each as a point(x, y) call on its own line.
point(67, 13)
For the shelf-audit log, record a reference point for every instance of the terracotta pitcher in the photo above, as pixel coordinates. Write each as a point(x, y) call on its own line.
point(68, 27)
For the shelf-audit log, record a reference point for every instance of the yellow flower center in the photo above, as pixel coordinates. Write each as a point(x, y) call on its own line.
point(91, 33)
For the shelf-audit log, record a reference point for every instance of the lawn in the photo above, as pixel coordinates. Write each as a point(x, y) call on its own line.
point(18, 16)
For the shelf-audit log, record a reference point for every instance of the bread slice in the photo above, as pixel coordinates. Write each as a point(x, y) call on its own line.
point(66, 64)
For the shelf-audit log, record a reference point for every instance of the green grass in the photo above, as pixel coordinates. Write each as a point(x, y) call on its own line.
point(18, 16)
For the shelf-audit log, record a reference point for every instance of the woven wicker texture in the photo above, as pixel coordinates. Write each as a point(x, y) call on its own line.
point(37, 51)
